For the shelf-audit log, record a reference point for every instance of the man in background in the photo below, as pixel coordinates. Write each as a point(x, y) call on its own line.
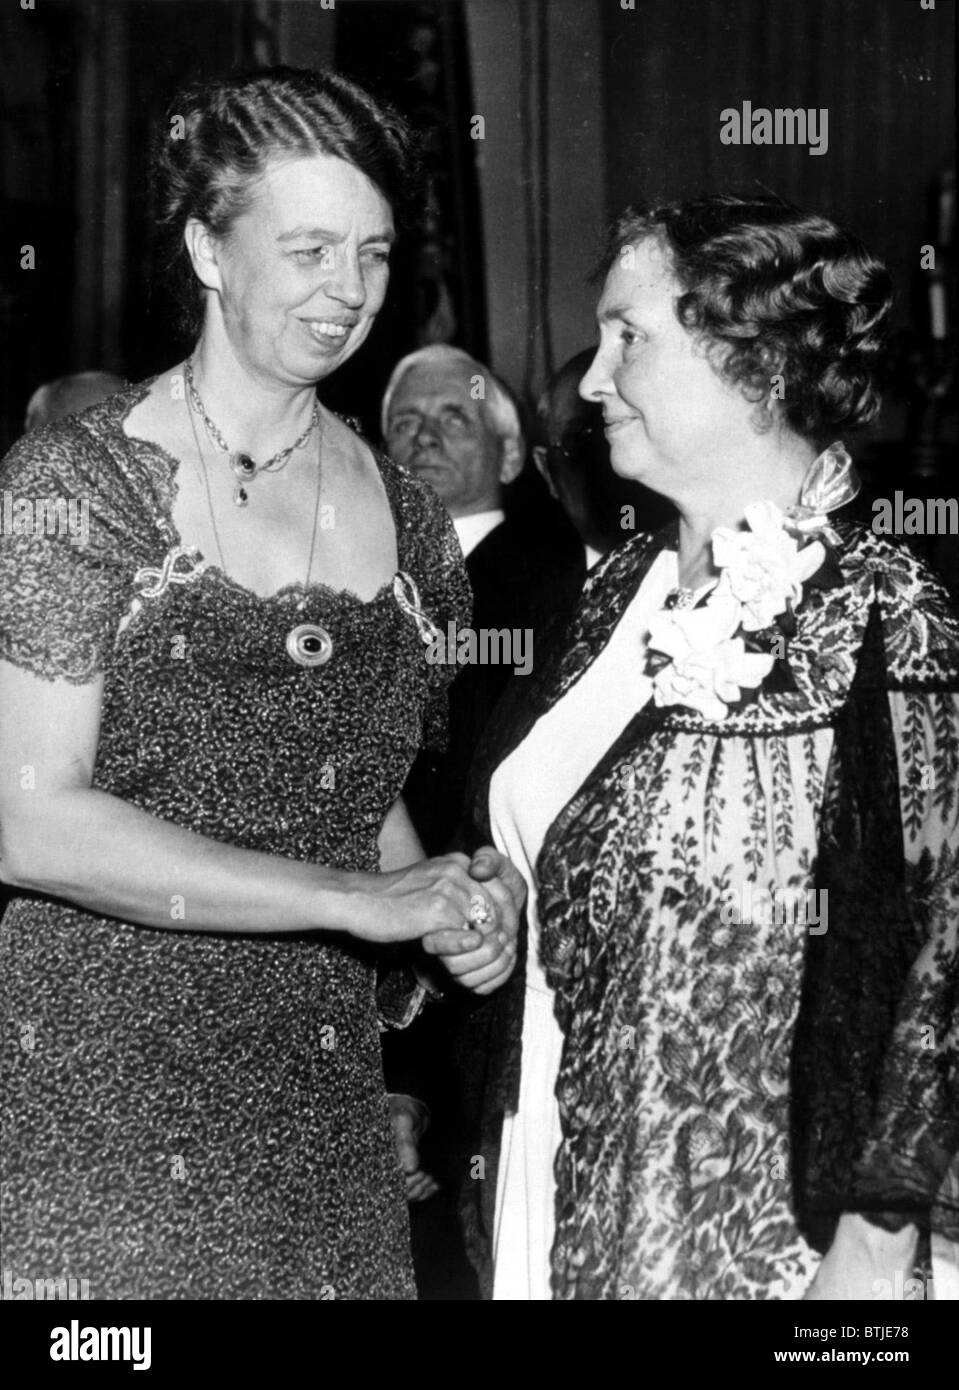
point(449, 420)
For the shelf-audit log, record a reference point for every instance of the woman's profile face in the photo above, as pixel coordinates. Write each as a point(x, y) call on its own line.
point(304, 270)
point(670, 419)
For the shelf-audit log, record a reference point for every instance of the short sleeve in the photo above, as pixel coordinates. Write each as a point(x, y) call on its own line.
point(63, 583)
point(435, 562)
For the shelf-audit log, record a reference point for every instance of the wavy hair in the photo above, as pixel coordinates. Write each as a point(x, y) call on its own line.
point(775, 291)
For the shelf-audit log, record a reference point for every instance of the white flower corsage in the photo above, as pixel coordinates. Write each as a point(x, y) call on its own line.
point(765, 567)
point(699, 656)
point(710, 666)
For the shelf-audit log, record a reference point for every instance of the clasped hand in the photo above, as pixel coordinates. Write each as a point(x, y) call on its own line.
point(482, 957)
point(432, 901)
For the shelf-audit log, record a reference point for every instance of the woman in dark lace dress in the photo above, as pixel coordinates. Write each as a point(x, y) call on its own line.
point(212, 687)
point(732, 1071)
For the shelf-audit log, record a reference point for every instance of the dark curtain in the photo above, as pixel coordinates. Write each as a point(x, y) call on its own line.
point(420, 63)
point(38, 97)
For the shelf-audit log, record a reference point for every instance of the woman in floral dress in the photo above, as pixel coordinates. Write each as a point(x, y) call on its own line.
point(732, 791)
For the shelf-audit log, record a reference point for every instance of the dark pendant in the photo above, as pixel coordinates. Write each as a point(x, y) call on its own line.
point(243, 466)
point(309, 645)
point(240, 496)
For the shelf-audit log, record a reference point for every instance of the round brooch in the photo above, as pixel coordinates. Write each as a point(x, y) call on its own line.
point(309, 645)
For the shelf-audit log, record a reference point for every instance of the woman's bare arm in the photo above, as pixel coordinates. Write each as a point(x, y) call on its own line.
point(399, 843)
point(62, 837)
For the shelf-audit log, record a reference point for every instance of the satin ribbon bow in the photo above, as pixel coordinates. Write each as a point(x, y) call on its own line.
point(830, 482)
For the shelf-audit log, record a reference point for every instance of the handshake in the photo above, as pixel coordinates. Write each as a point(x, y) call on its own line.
point(464, 911)
point(480, 952)
point(487, 893)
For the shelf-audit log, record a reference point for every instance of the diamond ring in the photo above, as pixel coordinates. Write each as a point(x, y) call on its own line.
point(479, 911)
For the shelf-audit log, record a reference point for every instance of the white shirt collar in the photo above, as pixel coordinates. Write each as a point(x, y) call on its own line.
point(470, 530)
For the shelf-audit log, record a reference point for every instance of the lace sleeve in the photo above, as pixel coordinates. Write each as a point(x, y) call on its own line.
point(916, 1137)
point(64, 588)
point(875, 1092)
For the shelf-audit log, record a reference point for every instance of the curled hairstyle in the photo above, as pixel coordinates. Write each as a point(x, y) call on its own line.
point(218, 138)
point(775, 291)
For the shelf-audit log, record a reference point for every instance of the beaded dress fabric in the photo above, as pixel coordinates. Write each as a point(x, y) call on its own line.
point(195, 1115)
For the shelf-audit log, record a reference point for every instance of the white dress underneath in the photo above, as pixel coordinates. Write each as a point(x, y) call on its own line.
point(527, 792)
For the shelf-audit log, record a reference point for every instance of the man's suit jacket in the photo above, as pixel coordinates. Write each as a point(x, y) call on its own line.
point(520, 583)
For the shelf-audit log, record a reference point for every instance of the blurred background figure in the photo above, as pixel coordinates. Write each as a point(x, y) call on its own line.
point(68, 395)
point(573, 459)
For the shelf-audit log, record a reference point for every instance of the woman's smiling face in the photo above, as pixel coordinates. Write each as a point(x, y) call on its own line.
point(303, 272)
point(670, 419)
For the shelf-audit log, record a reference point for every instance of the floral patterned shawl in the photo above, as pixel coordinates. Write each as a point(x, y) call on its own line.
point(870, 1005)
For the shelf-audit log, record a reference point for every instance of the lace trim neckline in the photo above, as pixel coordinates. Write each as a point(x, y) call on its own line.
point(118, 410)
